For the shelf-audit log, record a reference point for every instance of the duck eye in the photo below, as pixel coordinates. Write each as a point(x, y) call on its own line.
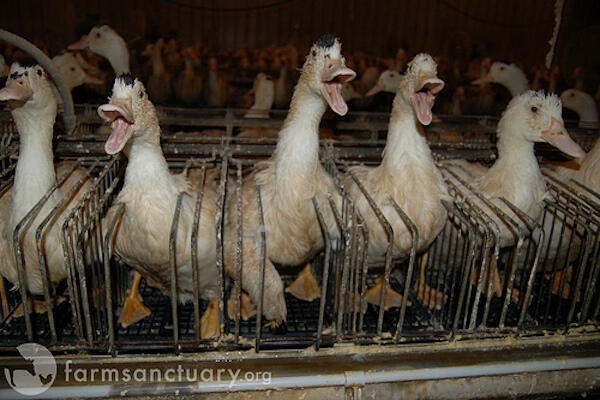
point(97, 35)
point(39, 72)
point(141, 95)
point(534, 109)
point(314, 53)
point(501, 68)
point(72, 68)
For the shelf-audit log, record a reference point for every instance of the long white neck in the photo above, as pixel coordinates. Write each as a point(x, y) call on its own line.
point(404, 137)
point(297, 154)
point(517, 84)
point(147, 164)
point(34, 174)
point(588, 112)
point(118, 57)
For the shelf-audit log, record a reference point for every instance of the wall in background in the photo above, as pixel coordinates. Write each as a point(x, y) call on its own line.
point(505, 29)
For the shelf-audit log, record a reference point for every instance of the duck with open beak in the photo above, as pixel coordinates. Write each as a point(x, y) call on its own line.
point(120, 115)
point(427, 86)
point(335, 74)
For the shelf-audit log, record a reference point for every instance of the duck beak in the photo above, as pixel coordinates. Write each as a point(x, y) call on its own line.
point(557, 136)
point(82, 44)
point(14, 91)
point(424, 97)
point(374, 90)
point(482, 81)
point(118, 113)
point(334, 75)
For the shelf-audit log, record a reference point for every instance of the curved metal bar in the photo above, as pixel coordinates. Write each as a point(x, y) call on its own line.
point(69, 117)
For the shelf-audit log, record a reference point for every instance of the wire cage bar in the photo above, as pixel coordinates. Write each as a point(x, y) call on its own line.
point(466, 283)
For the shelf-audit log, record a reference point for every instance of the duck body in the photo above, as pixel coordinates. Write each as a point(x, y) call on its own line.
point(288, 182)
point(35, 175)
point(516, 176)
point(150, 195)
point(407, 173)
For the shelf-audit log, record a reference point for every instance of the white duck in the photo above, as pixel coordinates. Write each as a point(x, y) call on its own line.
point(216, 89)
point(507, 75)
point(288, 182)
point(106, 42)
point(515, 176)
point(407, 173)
point(264, 95)
point(188, 85)
point(388, 81)
point(72, 73)
point(283, 92)
point(587, 170)
point(584, 105)
point(150, 194)
point(34, 114)
point(159, 82)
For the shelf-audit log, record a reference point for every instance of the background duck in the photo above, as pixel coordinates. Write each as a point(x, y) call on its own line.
point(159, 82)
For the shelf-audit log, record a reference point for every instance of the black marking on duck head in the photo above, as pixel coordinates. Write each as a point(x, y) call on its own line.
point(127, 79)
point(326, 41)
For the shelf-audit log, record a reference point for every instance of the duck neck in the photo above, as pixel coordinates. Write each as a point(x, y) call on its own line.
point(588, 112)
point(213, 81)
point(158, 67)
point(34, 174)
point(516, 154)
point(517, 85)
point(189, 68)
point(147, 164)
point(297, 154)
point(403, 136)
point(118, 57)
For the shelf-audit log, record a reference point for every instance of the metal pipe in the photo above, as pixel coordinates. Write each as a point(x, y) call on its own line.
point(345, 379)
point(69, 117)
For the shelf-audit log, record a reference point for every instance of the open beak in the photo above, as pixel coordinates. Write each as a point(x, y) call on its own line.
point(82, 44)
point(558, 137)
point(424, 97)
point(119, 114)
point(375, 89)
point(17, 89)
point(334, 75)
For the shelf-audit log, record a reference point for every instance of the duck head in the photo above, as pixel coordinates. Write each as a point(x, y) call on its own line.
point(103, 40)
point(325, 71)
point(99, 40)
point(420, 85)
point(388, 81)
point(580, 102)
point(28, 88)
point(69, 69)
point(537, 117)
point(130, 113)
point(508, 75)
